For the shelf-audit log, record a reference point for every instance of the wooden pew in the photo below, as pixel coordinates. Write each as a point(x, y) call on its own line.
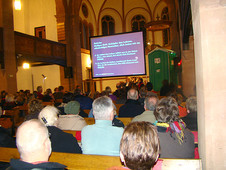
point(125, 120)
point(89, 121)
point(118, 107)
point(91, 162)
point(14, 113)
point(47, 103)
point(86, 111)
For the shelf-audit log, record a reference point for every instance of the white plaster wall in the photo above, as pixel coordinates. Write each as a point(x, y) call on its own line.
point(24, 77)
point(36, 13)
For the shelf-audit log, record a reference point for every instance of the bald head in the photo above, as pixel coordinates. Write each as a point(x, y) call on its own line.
point(132, 94)
point(33, 142)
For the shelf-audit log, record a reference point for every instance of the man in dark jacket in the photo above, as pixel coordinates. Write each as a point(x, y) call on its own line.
point(132, 107)
point(34, 146)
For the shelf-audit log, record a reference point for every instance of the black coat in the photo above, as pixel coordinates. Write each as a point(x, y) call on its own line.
point(191, 121)
point(16, 164)
point(131, 108)
point(63, 142)
point(5, 139)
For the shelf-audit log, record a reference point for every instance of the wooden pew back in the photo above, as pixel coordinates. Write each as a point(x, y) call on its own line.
point(125, 120)
point(81, 161)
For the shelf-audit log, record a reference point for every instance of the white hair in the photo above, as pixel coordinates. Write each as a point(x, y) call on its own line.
point(132, 94)
point(102, 108)
point(30, 137)
point(48, 115)
point(9, 98)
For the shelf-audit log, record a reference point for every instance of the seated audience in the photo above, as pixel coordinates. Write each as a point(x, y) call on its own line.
point(60, 93)
point(34, 146)
point(48, 97)
point(142, 95)
point(66, 98)
point(176, 141)
point(20, 99)
point(34, 108)
point(85, 102)
point(149, 88)
point(3, 95)
point(102, 138)
point(139, 148)
point(148, 114)
point(140, 83)
point(132, 107)
point(191, 118)
point(71, 121)
point(39, 93)
point(116, 92)
point(60, 141)
point(182, 110)
point(109, 93)
point(115, 121)
point(165, 89)
point(9, 102)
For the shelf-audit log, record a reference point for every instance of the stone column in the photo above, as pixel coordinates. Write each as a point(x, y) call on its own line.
point(209, 23)
point(72, 35)
point(8, 74)
point(68, 32)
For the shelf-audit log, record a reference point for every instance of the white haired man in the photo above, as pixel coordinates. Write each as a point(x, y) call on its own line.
point(132, 107)
point(148, 114)
point(61, 141)
point(102, 138)
point(34, 146)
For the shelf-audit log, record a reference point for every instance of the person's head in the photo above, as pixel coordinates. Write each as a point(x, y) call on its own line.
point(32, 140)
point(72, 108)
point(9, 98)
point(21, 92)
point(77, 92)
point(118, 85)
point(56, 89)
point(150, 103)
point(165, 82)
point(49, 115)
point(142, 93)
point(140, 80)
point(68, 97)
point(48, 91)
point(132, 94)
point(108, 90)
point(3, 93)
point(35, 106)
point(167, 110)
point(61, 88)
point(191, 105)
point(103, 108)
point(78, 87)
point(149, 86)
point(139, 147)
point(39, 89)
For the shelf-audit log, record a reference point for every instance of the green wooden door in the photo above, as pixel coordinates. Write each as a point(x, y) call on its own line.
point(158, 68)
